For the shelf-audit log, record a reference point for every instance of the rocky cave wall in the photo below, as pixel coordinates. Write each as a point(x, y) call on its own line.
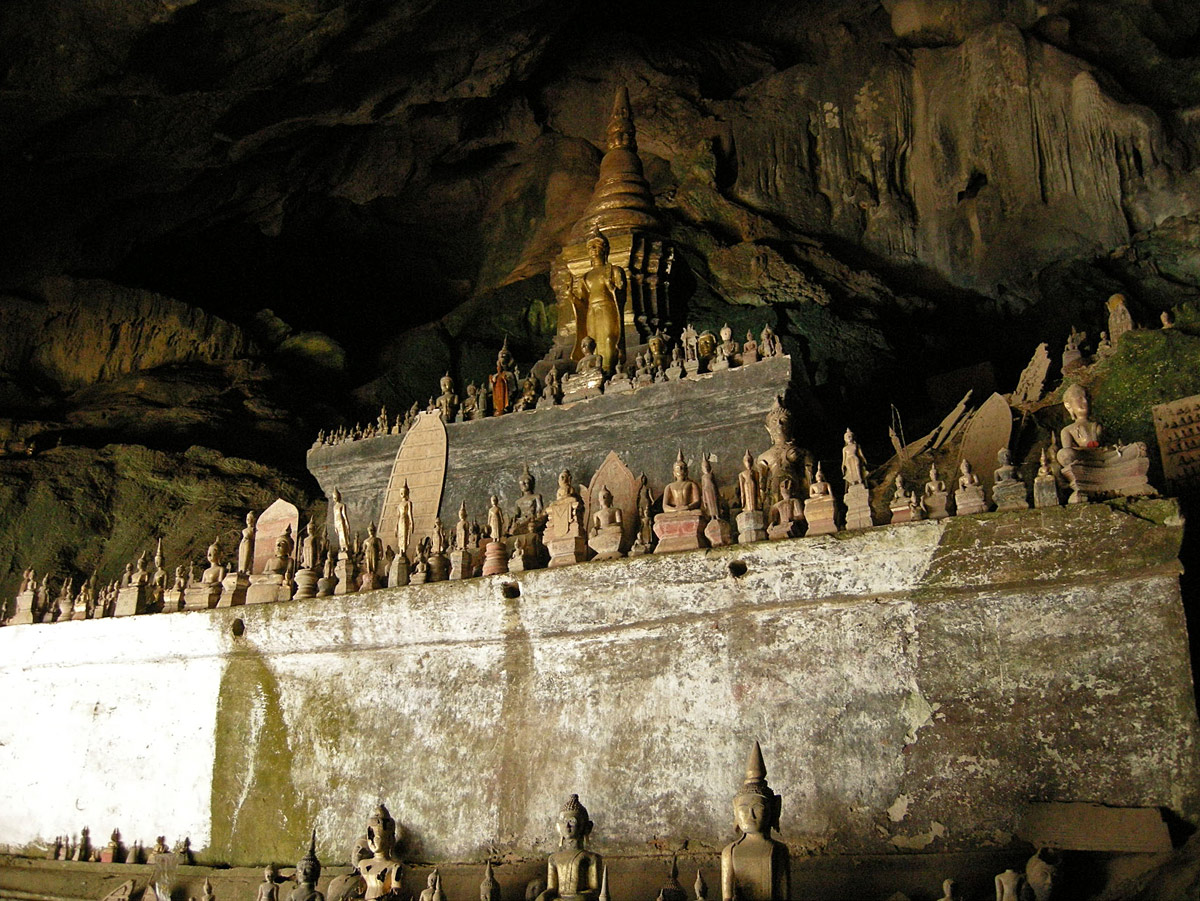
point(228, 223)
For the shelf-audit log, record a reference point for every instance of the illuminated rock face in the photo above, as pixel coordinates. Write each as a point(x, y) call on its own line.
point(931, 677)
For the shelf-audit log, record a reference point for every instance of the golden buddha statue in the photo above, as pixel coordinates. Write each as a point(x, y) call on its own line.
point(597, 297)
point(573, 873)
point(755, 867)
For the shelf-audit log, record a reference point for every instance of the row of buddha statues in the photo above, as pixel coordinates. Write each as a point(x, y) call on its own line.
point(80, 848)
point(1120, 323)
point(755, 866)
point(505, 391)
point(780, 494)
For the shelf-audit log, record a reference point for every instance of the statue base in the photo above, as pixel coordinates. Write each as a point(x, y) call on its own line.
point(718, 533)
point(820, 511)
point(789, 529)
point(398, 572)
point(675, 372)
point(23, 616)
point(719, 364)
point(462, 565)
point(969, 500)
point(907, 513)
point(1045, 492)
point(565, 551)
point(607, 542)
point(326, 586)
point(1105, 472)
point(681, 531)
point(346, 574)
point(858, 507)
point(419, 576)
point(306, 584)
point(439, 568)
point(130, 601)
point(267, 589)
point(691, 367)
point(751, 526)
point(202, 596)
point(233, 590)
point(577, 388)
point(495, 558)
point(1010, 495)
point(937, 505)
point(619, 385)
point(369, 581)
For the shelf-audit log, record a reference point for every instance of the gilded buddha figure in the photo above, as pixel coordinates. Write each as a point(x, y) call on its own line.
point(597, 301)
point(573, 873)
point(754, 867)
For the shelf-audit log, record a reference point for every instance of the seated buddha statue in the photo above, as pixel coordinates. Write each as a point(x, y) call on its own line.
point(1092, 469)
point(680, 526)
point(754, 867)
point(573, 873)
point(308, 871)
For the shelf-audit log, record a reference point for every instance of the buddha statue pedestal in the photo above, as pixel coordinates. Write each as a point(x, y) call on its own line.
point(267, 589)
point(346, 573)
point(1010, 495)
point(326, 585)
point(23, 615)
point(718, 533)
point(619, 384)
point(369, 581)
point(786, 519)
point(937, 504)
point(528, 552)
point(582, 386)
point(462, 565)
point(565, 551)
point(751, 526)
point(439, 568)
point(306, 584)
point(821, 513)
point(1104, 472)
point(233, 590)
point(1045, 491)
point(680, 531)
point(606, 543)
point(204, 596)
point(968, 500)
point(495, 558)
point(398, 572)
point(858, 507)
point(131, 600)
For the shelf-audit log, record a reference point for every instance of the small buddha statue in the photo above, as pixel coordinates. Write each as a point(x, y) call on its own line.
point(503, 382)
point(591, 361)
point(750, 349)
point(279, 564)
point(268, 889)
point(681, 524)
point(529, 395)
point(783, 459)
point(528, 515)
point(215, 572)
point(380, 872)
point(462, 530)
point(495, 519)
point(1009, 886)
point(597, 296)
point(308, 872)
point(245, 557)
point(404, 522)
point(1095, 470)
point(769, 344)
point(1045, 486)
point(755, 867)
point(372, 555)
point(645, 503)
point(905, 506)
point(341, 523)
point(489, 889)
point(1082, 432)
point(748, 484)
point(853, 461)
point(820, 510)
point(935, 498)
point(786, 518)
point(751, 522)
point(606, 528)
point(552, 390)
point(706, 346)
point(1008, 492)
point(470, 405)
point(447, 401)
point(691, 348)
point(968, 498)
point(564, 525)
point(573, 873)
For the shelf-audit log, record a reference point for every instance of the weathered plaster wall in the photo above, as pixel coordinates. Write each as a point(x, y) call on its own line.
point(912, 687)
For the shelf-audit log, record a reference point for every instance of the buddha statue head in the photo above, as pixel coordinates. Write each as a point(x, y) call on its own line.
point(573, 823)
point(680, 469)
point(447, 384)
point(308, 870)
point(381, 832)
point(756, 807)
point(597, 246)
point(1075, 400)
point(526, 480)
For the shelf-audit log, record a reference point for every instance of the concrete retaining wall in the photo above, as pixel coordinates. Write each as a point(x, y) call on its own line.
point(912, 687)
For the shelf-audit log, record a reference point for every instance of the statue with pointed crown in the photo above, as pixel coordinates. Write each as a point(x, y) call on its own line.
point(755, 867)
point(503, 382)
point(573, 873)
point(489, 889)
point(680, 526)
point(598, 297)
point(308, 871)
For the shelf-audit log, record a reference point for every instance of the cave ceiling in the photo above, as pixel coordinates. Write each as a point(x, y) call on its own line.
point(898, 187)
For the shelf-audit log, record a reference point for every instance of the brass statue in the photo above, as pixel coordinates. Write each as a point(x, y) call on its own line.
point(573, 873)
point(597, 299)
point(341, 523)
point(755, 866)
point(245, 559)
point(268, 889)
point(503, 382)
point(447, 401)
point(404, 522)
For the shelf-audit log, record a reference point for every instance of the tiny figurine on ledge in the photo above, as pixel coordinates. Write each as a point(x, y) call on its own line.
point(905, 506)
point(786, 519)
point(857, 499)
point(1008, 492)
point(718, 531)
point(968, 498)
point(573, 873)
point(1045, 486)
point(596, 297)
point(751, 523)
point(936, 499)
point(755, 866)
point(680, 526)
point(606, 528)
point(564, 535)
point(820, 510)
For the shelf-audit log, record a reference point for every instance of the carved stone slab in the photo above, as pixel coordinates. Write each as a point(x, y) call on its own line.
point(421, 461)
point(271, 524)
point(989, 430)
point(1177, 425)
point(1033, 378)
point(617, 477)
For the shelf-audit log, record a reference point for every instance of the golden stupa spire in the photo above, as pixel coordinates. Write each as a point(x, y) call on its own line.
point(621, 200)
